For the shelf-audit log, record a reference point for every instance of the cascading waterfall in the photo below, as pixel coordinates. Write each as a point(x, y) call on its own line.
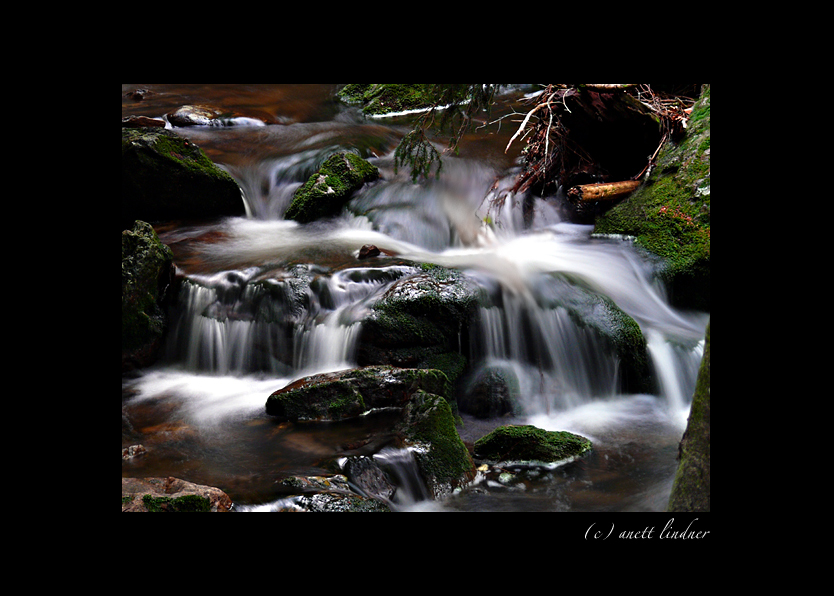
point(271, 300)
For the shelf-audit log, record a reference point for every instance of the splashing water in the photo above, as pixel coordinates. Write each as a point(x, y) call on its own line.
point(272, 300)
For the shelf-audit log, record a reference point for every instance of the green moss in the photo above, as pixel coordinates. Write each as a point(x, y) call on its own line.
point(380, 99)
point(330, 187)
point(171, 148)
point(526, 443)
point(183, 504)
point(333, 400)
point(669, 215)
point(441, 455)
point(146, 263)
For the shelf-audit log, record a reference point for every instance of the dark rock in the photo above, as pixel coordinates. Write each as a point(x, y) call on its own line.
point(328, 189)
point(529, 444)
point(421, 322)
point(166, 177)
point(140, 121)
point(367, 251)
point(350, 393)
point(324, 494)
point(428, 429)
point(148, 278)
point(492, 392)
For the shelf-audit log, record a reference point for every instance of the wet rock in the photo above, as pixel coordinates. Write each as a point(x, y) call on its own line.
point(366, 474)
point(147, 282)
point(368, 251)
point(328, 189)
point(492, 392)
point(138, 94)
point(324, 494)
point(421, 322)
point(428, 429)
point(140, 121)
point(167, 177)
point(133, 452)
point(347, 394)
point(159, 495)
point(194, 116)
point(529, 444)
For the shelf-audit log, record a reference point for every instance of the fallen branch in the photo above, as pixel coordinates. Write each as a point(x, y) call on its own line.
point(605, 191)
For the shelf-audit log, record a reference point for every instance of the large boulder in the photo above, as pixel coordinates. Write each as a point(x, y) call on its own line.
point(421, 321)
point(669, 214)
point(330, 187)
point(350, 393)
point(167, 177)
point(530, 444)
point(147, 281)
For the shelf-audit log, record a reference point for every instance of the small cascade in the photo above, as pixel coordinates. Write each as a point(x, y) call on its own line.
point(236, 322)
point(553, 363)
point(676, 365)
point(401, 468)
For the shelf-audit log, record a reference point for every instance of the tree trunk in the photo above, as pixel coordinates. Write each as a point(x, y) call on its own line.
point(606, 191)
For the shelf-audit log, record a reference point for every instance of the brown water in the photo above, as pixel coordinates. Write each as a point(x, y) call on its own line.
point(206, 423)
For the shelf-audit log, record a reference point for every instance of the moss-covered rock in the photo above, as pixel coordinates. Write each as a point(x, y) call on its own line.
point(167, 177)
point(428, 428)
point(328, 189)
point(147, 276)
point(381, 99)
point(690, 488)
point(669, 215)
point(421, 322)
point(527, 443)
point(347, 394)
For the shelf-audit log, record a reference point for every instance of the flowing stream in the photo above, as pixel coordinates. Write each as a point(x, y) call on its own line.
point(243, 328)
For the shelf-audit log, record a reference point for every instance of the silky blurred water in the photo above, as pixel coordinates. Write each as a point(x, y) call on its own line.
point(242, 330)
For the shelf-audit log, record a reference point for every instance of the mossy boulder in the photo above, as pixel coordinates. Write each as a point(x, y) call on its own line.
point(147, 281)
point(330, 187)
point(529, 444)
point(421, 321)
point(690, 488)
point(428, 429)
point(167, 177)
point(381, 99)
point(350, 393)
point(669, 214)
